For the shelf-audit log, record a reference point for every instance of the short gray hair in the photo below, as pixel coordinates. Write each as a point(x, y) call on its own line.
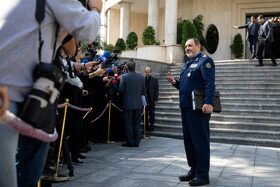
point(131, 65)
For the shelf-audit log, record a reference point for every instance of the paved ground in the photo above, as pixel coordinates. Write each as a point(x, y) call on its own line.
point(159, 161)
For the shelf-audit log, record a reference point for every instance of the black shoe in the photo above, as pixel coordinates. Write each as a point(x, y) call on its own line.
point(78, 162)
point(274, 64)
point(127, 145)
point(187, 177)
point(258, 65)
point(199, 182)
point(83, 150)
point(80, 155)
point(87, 148)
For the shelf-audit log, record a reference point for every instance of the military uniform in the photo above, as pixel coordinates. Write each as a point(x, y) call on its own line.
point(197, 73)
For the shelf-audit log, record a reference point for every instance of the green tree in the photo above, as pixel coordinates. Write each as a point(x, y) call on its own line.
point(132, 40)
point(148, 36)
point(197, 21)
point(180, 31)
point(189, 31)
point(120, 45)
point(109, 47)
point(237, 46)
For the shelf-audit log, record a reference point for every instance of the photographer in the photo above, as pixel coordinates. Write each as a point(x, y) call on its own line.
point(19, 46)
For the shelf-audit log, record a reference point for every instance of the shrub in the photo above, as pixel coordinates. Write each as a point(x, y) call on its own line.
point(189, 31)
point(180, 31)
point(132, 40)
point(109, 47)
point(197, 21)
point(148, 36)
point(237, 46)
point(120, 45)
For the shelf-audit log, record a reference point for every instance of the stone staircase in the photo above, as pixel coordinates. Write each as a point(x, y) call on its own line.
point(250, 98)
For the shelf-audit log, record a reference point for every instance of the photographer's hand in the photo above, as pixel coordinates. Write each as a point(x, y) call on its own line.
point(98, 72)
point(5, 100)
point(89, 66)
point(95, 5)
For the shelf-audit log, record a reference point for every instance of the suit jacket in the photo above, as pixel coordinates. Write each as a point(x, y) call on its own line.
point(132, 87)
point(248, 27)
point(267, 31)
point(153, 89)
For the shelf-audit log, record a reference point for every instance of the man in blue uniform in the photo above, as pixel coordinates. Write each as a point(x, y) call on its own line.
point(197, 73)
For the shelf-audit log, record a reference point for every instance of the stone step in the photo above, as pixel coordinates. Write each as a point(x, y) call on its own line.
point(225, 125)
point(174, 112)
point(227, 139)
point(228, 101)
point(225, 106)
point(175, 118)
point(175, 94)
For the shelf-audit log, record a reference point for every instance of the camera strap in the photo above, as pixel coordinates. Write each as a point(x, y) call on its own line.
point(40, 15)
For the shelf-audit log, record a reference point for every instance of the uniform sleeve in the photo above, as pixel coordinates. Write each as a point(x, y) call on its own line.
point(77, 20)
point(177, 84)
point(208, 75)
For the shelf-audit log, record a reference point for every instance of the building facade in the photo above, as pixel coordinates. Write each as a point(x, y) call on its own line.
point(120, 17)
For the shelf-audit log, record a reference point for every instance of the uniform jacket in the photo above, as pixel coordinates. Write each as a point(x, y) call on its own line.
point(132, 87)
point(248, 26)
point(267, 30)
point(153, 89)
point(197, 73)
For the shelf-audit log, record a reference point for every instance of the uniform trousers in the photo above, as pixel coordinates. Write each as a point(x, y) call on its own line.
point(197, 141)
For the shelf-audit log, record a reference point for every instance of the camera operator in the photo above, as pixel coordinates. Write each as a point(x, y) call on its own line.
point(19, 50)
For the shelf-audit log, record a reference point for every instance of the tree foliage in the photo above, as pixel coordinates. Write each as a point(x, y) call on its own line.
point(148, 36)
point(189, 31)
point(237, 46)
point(132, 40)
point(120, 45)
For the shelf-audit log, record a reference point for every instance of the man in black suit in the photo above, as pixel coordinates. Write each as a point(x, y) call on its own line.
point(251, 34)
point(152, 97)
point(265, 39)
point(132, 87)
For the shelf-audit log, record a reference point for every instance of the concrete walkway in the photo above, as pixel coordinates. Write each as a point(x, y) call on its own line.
point(159, 161)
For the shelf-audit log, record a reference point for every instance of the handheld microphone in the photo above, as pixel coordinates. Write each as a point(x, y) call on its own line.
point(103, 58)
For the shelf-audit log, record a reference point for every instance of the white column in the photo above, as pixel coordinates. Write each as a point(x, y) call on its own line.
point(103, 29)
point(108, 26)
point(153, 14)
point(125, 19)
point(171, 22)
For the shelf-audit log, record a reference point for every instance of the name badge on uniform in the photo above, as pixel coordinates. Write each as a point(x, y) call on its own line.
point(193, 65)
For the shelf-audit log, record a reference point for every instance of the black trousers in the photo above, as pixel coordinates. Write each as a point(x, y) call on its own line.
point(132, 120)
point(150, 114)
point(265, 44)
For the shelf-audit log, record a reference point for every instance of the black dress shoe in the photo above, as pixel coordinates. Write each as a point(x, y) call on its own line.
point(80, 155)
point(258, 65)
point(78, 162)
point(274, 64)
point(127, 145)
point(189, 176)
point(199, 182)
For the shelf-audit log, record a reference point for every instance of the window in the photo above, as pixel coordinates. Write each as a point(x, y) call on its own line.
point(212, 38)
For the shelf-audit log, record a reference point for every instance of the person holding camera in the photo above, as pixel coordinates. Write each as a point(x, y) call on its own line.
point(24, 44)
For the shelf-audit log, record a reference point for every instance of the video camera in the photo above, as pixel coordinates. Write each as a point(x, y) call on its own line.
point(91, 52)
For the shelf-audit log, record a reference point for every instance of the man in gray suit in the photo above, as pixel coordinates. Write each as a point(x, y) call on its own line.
point(265, 39)
point(251, 34)
point(132, 87)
